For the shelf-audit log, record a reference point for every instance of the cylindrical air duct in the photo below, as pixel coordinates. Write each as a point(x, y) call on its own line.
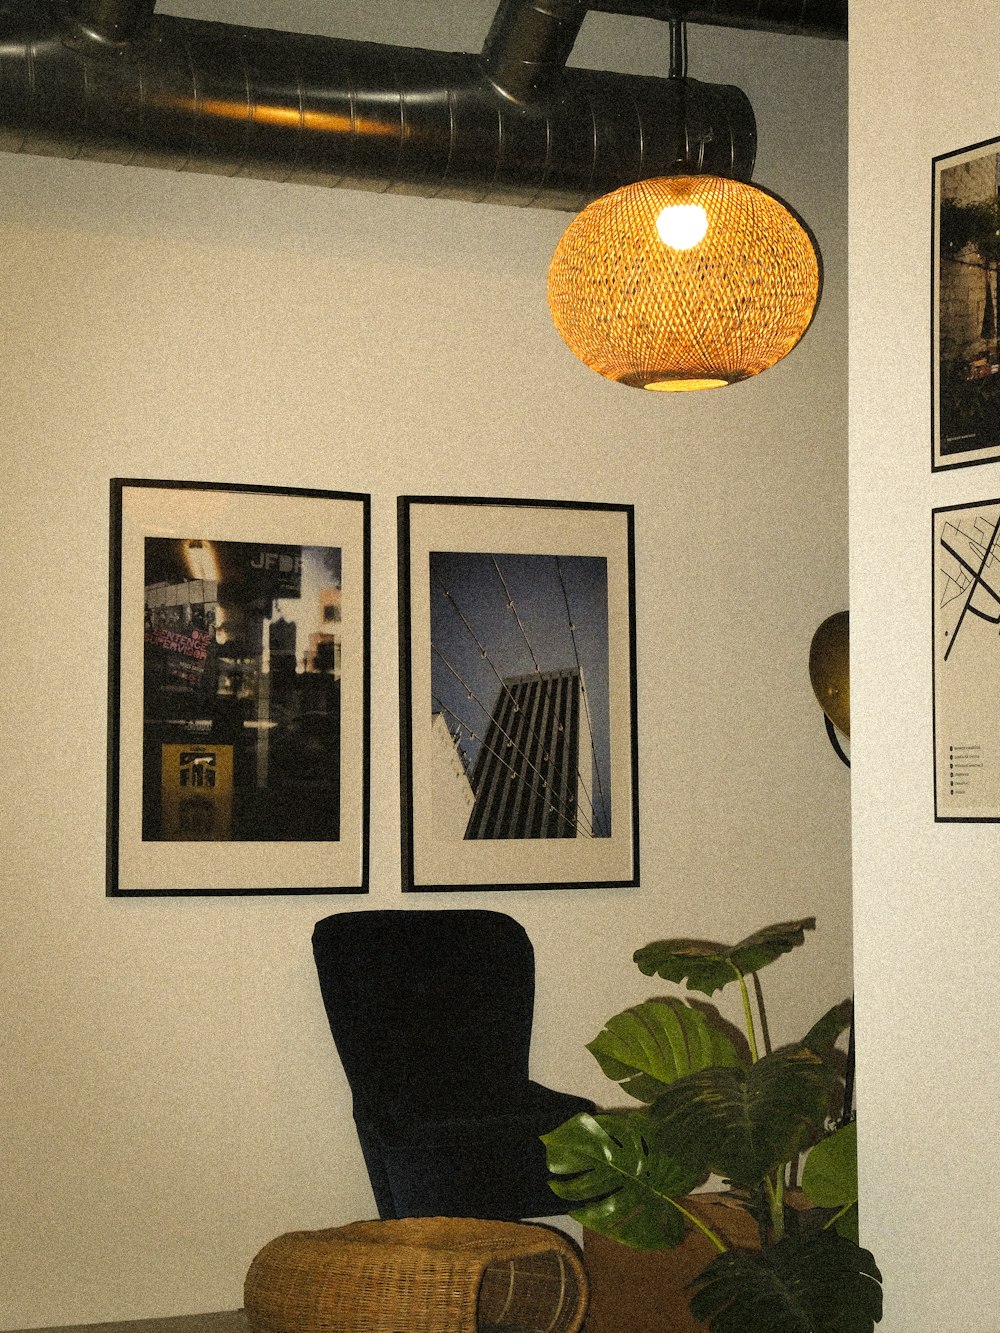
point(111, 82)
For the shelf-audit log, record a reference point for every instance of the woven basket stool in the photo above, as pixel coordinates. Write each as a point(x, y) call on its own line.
point(418, 1275)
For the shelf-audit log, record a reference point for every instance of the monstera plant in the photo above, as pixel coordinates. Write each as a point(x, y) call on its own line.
point(712, 1108)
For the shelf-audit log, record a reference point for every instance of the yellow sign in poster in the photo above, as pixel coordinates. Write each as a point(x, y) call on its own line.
point(197, 793)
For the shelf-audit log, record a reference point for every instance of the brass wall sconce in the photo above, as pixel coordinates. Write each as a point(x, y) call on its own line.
point(830, 674)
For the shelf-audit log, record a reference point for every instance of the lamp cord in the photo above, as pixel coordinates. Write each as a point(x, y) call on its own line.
point(832, 733)
point(677, 25)
point(678, 73)
point(678, 48)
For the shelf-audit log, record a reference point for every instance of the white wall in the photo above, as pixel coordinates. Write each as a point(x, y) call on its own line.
point(925, 894)
point(175, 1100)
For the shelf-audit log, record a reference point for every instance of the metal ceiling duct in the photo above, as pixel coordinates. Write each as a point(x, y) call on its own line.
point(800, 18)
point(111, 81)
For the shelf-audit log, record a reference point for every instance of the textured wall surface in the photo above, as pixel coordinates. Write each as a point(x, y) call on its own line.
point(925, 895)
point(174, 1099)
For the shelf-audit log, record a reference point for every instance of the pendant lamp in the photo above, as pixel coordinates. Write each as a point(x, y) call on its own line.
point(685, 281)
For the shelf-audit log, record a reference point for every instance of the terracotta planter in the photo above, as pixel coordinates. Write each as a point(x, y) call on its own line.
point(644, 1291)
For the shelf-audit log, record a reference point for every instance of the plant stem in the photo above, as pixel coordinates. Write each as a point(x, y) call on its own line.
point(775, 1188)
point(776, 1196)
point(747, 1014)
point(705, 1230)
point(839, 1214)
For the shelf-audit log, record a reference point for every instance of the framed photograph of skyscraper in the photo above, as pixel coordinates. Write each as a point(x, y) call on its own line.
point(238, 690)
point(517, 694)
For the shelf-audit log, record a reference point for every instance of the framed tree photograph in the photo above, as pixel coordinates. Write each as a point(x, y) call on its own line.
point(966, 617)
point(518, 694)
point(238, 698)
point(965, 262)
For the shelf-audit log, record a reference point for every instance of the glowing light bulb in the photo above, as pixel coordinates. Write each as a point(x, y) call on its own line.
point(682, 226)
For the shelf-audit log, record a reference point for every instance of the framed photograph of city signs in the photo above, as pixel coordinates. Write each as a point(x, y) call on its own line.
point(965, 262)
point(238, 690)
point(518, 694)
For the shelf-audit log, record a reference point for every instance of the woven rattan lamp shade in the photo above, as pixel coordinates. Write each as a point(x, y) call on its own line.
point(652, 315)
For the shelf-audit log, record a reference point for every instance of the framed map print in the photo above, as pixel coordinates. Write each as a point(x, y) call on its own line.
point(966, 630)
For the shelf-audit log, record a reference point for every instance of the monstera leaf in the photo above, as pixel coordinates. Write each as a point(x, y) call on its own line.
point(648, 1047)
point(810, 1282)
point(708, 967)
point(742, 1123)
point(617, 1170)
point(830, 1177)
point(822, 1036)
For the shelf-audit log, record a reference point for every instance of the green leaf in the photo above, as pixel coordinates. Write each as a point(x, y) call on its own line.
point(743, 1123)
point(810, 1282)
point(617, 1170)
point(648, 1047)
point(822, 1036)
point(830, 1177)
point(846, 1223)
point(708, 967)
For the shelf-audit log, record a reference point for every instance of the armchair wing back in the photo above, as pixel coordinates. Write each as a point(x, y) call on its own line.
point(431, 1013)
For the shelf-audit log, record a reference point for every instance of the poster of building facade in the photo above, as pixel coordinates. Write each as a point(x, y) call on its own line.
point(239, 688)
point(965, 265)
point(966, 631)
point(519, 682)
point(517, 694)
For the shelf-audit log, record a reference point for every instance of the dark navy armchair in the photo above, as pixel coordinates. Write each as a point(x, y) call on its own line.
point(431, 1014)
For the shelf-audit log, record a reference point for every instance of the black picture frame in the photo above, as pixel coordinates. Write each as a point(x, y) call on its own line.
point(238, 690)
point(518, 701)
point(965, 555)
point(965, 307)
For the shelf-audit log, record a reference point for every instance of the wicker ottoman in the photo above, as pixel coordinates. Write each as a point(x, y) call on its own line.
point(418, 1275)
